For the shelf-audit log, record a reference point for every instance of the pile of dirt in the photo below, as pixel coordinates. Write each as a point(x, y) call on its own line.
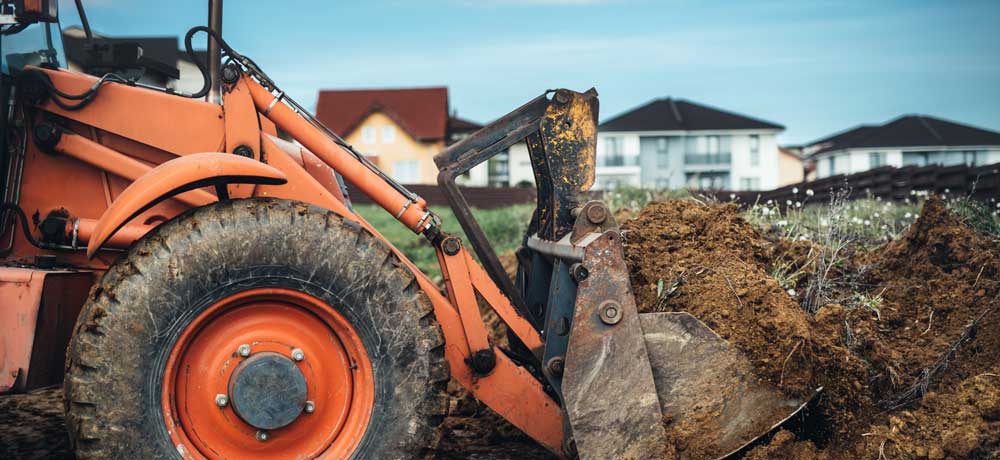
point(707, 260)
point(904, 374)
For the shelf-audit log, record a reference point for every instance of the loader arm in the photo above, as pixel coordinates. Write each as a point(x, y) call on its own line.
point(585, 371)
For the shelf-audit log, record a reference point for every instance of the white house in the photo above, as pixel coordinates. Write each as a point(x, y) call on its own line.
point(674, 143)
point(908, 140)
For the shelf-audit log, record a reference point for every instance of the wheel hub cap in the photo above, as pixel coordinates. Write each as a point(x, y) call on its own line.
point(268, 391)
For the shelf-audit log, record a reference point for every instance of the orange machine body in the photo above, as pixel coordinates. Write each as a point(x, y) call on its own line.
point(164, 144)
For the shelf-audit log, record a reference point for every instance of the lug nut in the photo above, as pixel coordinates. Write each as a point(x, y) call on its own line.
point(262, 436)
point(310, 407)
point(298, 354)
point(243, 350)
point(221, 400)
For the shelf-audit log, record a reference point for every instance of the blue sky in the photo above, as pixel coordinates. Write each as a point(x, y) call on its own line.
point(815, 67)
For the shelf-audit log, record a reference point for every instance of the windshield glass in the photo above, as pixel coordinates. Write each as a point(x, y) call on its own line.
point(37, 44)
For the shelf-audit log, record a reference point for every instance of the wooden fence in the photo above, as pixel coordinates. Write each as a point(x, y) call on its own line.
point(888, 183)
point(478, 197)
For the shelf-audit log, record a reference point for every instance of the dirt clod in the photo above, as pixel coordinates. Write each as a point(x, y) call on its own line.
point(908, 373)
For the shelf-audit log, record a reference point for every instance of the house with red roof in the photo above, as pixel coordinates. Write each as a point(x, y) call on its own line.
point(399, 129)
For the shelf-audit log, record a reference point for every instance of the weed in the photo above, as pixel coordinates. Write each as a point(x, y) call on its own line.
point(870, 302)
point(976, 214)
point(504, 227)
point(635, 198)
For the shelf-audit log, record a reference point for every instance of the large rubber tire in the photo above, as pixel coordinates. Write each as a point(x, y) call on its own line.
point(136, 312)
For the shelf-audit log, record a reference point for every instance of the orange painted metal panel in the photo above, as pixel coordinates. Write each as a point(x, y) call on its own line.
point(322, 173)
point(166, 179)
point(37, 304)
point(121, 165)
point(301, 186)
point(150, 117)
point(21, 290)
point(463, 295)
point(242, 129)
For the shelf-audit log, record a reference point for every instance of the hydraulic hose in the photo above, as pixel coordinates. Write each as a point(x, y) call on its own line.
point(4, 207)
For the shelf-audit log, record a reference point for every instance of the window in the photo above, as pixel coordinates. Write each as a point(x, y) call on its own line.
point(841, 164)
point(915, 158)
point(713, 144)
point(662, 153)
point(388, 134)
point(975, 158)
point(750, 183)
point(368, 134)
point(754, 150)
point(876, 159)
point(498, 170)
point(613, 155)
point(613, 145)
point(708, 180)
point(707, 150)
point(406, 171)
point(662, 160)
point(830, 163)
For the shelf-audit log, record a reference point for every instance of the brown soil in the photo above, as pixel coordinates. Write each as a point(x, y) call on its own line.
point(708, 261)
point(872, 362)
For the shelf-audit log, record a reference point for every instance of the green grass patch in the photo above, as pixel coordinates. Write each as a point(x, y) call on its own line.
point(503, 226)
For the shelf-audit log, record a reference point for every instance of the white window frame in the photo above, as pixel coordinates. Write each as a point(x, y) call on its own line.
point(368, 135)
point(749, 183)
point(876, 159)
point(411, 177)
point(388, 134)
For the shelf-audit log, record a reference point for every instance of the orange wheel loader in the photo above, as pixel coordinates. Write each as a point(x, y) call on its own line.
point(190, 266)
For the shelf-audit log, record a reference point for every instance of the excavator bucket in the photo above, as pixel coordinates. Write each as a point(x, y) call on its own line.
point(631, 385)
point(707, 391)
point(635, 384)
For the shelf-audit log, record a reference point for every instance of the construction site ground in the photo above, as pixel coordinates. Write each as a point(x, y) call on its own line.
point(902, 337)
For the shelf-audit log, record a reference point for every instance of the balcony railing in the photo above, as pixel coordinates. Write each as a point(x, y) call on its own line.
point(708, 158)
point(617, 160)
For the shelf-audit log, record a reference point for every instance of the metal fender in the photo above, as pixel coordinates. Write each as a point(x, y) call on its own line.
point(178, 176)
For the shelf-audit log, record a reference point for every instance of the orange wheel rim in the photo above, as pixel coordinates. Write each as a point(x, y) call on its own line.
point(275, 321)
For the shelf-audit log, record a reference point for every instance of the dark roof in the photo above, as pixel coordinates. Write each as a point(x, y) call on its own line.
point(680, 115)
point(422, 112)
point(907, 131)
